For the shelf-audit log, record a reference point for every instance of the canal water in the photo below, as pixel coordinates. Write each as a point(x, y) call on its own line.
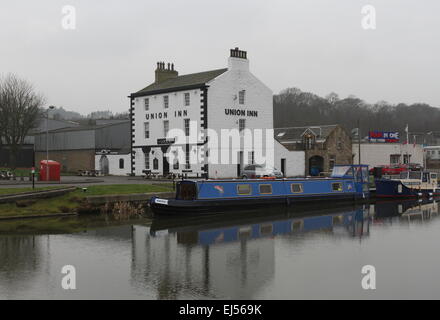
point(315, 253)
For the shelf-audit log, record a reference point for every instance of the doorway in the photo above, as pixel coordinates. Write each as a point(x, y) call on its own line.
point(104, 165)
point(283, 167)
point(239, 163)
point(316, 165)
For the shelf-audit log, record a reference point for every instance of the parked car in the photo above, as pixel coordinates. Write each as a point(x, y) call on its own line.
point(395, 169)
point(253, 171)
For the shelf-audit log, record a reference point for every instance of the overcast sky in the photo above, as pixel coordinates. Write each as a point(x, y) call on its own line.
point(315, 45)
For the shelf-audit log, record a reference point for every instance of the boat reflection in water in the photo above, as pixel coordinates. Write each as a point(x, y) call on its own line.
point(353, 220)
point(283, 253)
point(405, 211)
point(230, 257)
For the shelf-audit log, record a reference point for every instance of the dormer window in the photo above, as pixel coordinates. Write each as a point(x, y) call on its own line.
point(242, 97)
point(309, 141)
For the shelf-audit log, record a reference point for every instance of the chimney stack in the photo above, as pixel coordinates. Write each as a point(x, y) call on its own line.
point(164, 72)
point(238, 60)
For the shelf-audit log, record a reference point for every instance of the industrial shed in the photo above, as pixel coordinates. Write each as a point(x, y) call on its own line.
point(76, 148)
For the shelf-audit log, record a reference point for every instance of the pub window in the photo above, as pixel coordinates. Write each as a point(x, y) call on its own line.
point(244, 189)
point(166, 127)
point(121, 163)
point(165, 102)
point(337, 186)
point(147, 161)
point(147, 104)
point(176, 165)
point(147, 130)
point(187, 155)
point(155, 164)
point(242, 96)
point(186, 123)
point(265, 188)
point(241, 124)
point(296, 188)
point(251, 156)
point(187, 99)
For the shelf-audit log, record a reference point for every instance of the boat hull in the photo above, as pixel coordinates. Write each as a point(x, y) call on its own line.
point(171, 207)
point(396, 189)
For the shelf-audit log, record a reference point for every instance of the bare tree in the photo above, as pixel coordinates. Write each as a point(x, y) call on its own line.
point(20, 108)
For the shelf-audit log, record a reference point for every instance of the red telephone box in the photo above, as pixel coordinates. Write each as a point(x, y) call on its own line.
point(54, 169)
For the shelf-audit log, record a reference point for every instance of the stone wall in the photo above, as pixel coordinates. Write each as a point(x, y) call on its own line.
point(337, 147)
point(71, 161)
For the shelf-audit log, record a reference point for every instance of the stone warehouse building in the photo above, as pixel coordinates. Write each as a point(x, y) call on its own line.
point(228, 98)
point(324, 146)
point(104, 147)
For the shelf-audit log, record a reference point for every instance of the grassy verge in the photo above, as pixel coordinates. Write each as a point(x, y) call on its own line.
point(19, 172)
point(4, 191)
point(69, 202)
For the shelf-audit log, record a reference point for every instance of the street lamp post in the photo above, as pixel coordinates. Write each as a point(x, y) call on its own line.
point(47, 142)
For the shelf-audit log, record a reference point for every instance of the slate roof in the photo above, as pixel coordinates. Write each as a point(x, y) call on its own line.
point(293, 134)
point(85, 127)
point(187, 81)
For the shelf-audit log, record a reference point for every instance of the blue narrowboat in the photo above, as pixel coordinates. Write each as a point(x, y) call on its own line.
point(347, 182)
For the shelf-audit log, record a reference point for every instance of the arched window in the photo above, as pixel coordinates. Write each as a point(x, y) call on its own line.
point(155, 164)
point(121, 163)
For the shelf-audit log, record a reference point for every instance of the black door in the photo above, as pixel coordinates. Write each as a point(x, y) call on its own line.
point(240, 163)
point(166, 166)
point(283, 166)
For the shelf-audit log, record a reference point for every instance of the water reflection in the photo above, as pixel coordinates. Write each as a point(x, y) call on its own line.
point(239, 256)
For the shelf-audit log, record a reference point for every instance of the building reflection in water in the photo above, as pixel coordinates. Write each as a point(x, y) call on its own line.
point(215, 257)
point(20, 258)
point(225, 259)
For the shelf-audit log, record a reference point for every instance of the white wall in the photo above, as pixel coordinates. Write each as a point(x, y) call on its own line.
point(223, 94)
point(295, 160)
point(113, 160)
point(376, 154)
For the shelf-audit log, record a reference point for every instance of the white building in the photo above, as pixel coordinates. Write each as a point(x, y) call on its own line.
point(198, 105)
point(432, 152)
point(378, 154)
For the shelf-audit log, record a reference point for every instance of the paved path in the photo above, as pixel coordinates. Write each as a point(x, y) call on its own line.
point(82, 181)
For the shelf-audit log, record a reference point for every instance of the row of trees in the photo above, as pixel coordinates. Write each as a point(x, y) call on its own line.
point(20, 109)
point(293, 107)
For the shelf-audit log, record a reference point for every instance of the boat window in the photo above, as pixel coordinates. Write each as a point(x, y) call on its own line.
point(296, 187)
point(415, 175)
point(244, 189)
point(341, 171)
point(365, 174)
point(265, 188)
point(425, 176)
point(266, 230)
point(244, 233)
point(337, 186)
point(404, 175)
